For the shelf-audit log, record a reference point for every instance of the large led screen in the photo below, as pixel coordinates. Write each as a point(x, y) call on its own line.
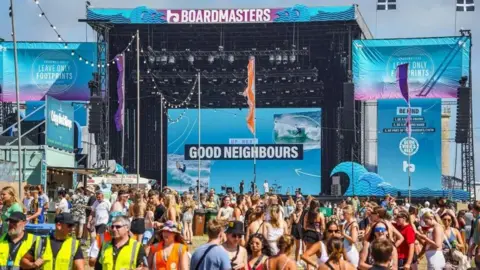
point(285, 150)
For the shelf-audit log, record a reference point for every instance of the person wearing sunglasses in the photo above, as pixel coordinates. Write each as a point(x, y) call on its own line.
point(319, 248)
point(380, 230)
point(59, 251)
point(16, 242)
point(122, 252)
point(237, 254)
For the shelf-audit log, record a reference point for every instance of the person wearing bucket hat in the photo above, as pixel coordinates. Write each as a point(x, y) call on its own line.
point(170, 252)
point(237, 254)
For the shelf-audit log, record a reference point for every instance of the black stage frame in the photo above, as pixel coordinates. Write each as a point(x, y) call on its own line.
point(329, 55)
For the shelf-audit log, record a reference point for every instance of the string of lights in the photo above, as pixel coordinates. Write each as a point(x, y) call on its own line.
point(165, 102)
point(82, 58)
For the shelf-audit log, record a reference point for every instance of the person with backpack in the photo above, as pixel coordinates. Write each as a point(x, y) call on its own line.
point(211, 256)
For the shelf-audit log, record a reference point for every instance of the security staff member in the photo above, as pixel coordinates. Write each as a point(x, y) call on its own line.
point(60, 251)
point(123, 252)
point(15, 243)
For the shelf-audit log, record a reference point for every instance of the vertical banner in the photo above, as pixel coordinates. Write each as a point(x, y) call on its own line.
point(120, 114)
point(59, 124)
point(424, 145)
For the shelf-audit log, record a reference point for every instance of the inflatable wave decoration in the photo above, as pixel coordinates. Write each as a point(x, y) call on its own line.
point(117, 18)
point(364, 183)
point(334, 15)
point(297, 13)
point(147, 15)
point(353, 170)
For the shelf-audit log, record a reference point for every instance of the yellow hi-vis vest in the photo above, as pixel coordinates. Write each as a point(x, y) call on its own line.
point(64, 259)
point(22, 250)
point(126, 259)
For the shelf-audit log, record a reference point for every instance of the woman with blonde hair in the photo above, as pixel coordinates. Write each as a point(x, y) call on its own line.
point(335, 250)
point(171, 206)
point(11, 204)
point(282, 260)
point(187, 219)
point(433, 240)
point(275, 228)
point(350, 235)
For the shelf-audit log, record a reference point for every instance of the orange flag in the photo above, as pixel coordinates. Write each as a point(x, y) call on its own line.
point(249, 93)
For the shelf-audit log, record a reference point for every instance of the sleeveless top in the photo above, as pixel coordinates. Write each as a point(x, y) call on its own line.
point(324, 255)
point(272, 236)
point(348, 232)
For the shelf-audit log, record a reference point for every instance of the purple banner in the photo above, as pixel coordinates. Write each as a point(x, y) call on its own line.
point(221, 15)
point(120, 114)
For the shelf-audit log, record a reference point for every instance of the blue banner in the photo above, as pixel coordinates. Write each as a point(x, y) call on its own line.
point(227, 149)
point(59, 124)
point(424, 146)
point(435, 66)
point(47, 69)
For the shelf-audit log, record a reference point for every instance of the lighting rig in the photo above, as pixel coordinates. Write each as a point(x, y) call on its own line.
point(281, 79)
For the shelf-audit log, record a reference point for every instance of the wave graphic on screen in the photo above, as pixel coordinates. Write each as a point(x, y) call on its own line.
point(183, 174)
point(298, 128)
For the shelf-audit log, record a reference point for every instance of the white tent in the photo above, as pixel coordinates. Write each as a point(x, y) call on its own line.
point(128, 179)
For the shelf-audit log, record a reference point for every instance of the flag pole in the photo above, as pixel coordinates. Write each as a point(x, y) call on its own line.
point(254, 127)
point(199, 134)
point(138, 109)
point(409, 131)
point(17, 91)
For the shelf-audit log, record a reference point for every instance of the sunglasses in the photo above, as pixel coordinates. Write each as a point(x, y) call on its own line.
point(117, 227)
point(447, 219)
point(333, 231)
point(380, 229)
point(236, 235)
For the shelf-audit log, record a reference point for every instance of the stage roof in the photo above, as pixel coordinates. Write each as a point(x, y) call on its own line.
point(295, 14)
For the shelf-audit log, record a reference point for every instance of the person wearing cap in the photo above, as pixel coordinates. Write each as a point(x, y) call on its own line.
point(122, 252)
point(16, 242)
point(237, 254)
point(171, 252)
point(35, 209)
point(59, 251)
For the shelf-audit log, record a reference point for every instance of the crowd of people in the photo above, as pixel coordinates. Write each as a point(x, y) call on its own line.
point(153, 229)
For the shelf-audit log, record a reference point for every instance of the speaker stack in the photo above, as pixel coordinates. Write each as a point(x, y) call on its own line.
point(95, 115)
point(464, 98)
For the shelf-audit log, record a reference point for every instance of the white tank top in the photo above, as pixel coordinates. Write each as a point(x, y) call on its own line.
point(324, 255)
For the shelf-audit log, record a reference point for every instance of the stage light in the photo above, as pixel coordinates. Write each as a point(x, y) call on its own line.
point(190, 59)
point(151, 58)
point(278, 59)
point(171, 59)
point(285, 59)
point(271, 58)
point(292, 58)
point(210, 59)
point(231, 58)
point(163, 59)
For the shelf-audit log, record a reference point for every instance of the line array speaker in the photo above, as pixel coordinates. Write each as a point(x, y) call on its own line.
point(464, 98)
point(95, 115)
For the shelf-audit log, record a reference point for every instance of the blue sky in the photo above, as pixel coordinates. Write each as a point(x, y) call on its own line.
point(413, 18)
